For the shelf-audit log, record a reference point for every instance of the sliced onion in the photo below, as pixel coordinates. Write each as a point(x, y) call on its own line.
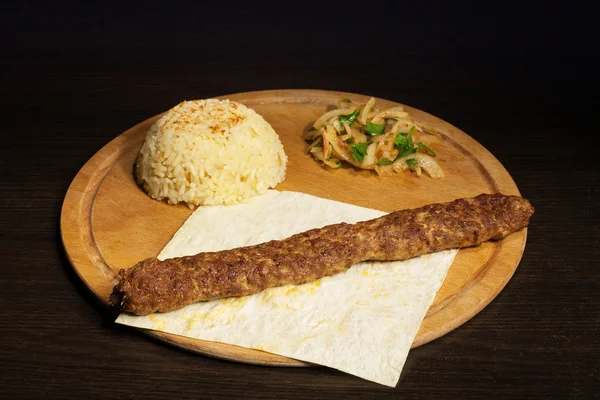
point(317, 153)
point(368, 162)
point(402, 125)
point(339, 128)
point(383, 170)
point(315, 143)
point(378, 138)
point(395, 112)
point(390, 155)
point(358, 137)
point(345, 137)
point(339, 148)
point(364, 113)
point(332, 114)
point(385, 142)
point(429, 165)
point(326, 147)
point(332, 162)
point(345, 104)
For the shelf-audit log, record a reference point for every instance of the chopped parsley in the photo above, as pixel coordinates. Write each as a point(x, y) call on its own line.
point(349, 119)
point(312, 129)
point(349, 140)
point(408, 150)
point(359, 151)
point(426, 148)
point(346, 100)
point(385, 161)
point(372, 129)
point(412, 164)
point(404, 143)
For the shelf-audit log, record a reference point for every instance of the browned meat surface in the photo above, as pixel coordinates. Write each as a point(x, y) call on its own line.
point(154, 285)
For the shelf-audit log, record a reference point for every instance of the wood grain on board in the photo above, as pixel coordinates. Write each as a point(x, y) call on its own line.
point(109, 223)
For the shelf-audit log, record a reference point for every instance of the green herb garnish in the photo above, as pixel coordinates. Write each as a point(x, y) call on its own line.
point(385, 161)
point(359, 151)
point(346, 101)
point(312, 129)
point(404, 143)
point(406, 152)
point(339, 164)
point(372, 129)
point(349, 140)
point(401, 140)
point(349, 119)
point(426, 148)
point(412, 164)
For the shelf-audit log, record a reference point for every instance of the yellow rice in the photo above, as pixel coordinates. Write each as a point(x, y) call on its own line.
point(208, 152)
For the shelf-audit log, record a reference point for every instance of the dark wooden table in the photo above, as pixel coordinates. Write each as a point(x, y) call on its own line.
point(521, 81)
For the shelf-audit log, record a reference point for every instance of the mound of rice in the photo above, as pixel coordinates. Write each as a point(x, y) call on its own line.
point(208, 152)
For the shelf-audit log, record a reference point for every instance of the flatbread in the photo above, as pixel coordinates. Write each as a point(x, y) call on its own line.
point(362, 322)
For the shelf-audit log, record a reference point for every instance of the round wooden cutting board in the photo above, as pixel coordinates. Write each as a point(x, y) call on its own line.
point(109, 223)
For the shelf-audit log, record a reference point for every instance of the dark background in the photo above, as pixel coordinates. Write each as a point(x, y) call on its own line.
point(520, 78)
